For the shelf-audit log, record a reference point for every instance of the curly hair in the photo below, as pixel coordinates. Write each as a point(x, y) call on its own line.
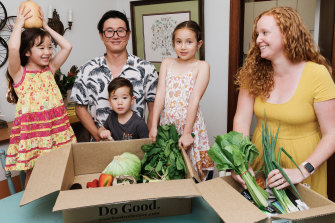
point(256, 75)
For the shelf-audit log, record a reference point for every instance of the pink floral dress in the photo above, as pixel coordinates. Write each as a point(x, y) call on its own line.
point(178, 91)
point(41, 123)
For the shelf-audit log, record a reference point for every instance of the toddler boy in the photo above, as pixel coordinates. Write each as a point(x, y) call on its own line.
point(122, 123)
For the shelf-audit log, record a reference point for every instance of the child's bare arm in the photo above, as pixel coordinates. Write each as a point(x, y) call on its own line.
point(66, 47)
point(14, 42)
point(200, 86)
point(159, 99)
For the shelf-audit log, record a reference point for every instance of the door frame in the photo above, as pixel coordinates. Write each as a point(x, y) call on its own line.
point(235, 55)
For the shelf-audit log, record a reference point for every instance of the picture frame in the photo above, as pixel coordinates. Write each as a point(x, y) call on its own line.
point(153, 21)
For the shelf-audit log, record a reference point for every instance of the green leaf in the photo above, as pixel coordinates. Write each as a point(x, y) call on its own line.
point(219, 158)
point(148, 167)
point(223, 167)
point(154, 151)
point(147, 148)
point(281, 149)
point(159, 166)
point(238, 157)
point(236, 138)
point(179, 163)
point(161, 143)
point(165, 127)
point(144, 159)
point(153, 160)
point(162, 135)
point(174, 133)
point(172, 157)
point(167, 149)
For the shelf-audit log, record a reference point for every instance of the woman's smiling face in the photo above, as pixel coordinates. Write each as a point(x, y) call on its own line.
point(269, 38)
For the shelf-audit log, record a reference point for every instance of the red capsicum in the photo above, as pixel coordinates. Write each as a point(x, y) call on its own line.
point(105, 180)
point(92, 184)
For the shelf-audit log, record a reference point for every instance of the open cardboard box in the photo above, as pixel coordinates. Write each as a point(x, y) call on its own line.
point(83, 162)
point(223, 195)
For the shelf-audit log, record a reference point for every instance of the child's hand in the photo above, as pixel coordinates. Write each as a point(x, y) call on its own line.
point(105, 134)
point(22, 16)
point(153, 134)
point(185, 141)
point(44, 22)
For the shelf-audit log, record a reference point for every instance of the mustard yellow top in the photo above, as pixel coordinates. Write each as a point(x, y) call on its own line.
point(299, 131)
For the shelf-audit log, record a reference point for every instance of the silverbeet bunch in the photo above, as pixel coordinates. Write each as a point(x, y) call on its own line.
point(162, 159)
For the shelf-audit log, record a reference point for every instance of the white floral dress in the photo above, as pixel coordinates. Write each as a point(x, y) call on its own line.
point(178, 91)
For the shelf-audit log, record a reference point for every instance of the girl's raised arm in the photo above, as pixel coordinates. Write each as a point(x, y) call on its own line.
point(59, 59)
point(186, 140)
point(159, 99)
point(14, 42)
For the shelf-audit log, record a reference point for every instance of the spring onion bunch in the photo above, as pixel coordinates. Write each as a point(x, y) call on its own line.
point(269, 140)
point(233, 152)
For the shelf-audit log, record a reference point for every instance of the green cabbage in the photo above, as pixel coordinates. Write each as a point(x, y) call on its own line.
point(125, 164)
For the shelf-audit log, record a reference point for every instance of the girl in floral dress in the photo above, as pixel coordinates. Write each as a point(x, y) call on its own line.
point(41, 123)
point(182, 82)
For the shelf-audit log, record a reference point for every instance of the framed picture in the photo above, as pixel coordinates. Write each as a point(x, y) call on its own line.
point(153, 21)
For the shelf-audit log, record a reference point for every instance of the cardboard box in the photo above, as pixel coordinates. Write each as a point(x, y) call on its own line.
point(223, 195)
point(83, 162)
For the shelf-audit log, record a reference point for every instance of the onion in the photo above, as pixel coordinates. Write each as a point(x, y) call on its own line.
point(34, 21)
point(125, 164)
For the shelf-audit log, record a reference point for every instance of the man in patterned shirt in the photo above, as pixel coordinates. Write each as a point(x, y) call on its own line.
point(90, 88)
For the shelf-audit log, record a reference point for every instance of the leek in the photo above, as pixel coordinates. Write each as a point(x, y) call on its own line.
point(269, 140)
point(233, 152)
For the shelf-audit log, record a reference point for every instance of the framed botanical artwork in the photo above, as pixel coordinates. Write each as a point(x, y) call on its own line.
point(153, 22)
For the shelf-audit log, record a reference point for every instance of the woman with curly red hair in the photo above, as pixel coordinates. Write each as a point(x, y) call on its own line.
point(285, 76)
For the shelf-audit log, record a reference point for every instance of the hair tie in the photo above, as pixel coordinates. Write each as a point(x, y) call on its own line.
point(243, 173)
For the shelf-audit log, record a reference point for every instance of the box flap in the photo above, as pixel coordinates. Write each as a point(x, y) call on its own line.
point(309, 214)
point(93, 157)
point(191, 173)
point(228, 203)
point(312, 198)
point(123, 193)
point(47, 175)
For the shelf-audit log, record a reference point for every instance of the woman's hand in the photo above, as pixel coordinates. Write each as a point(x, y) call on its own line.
point(22, 16)
point(276, 179)
point(185, 141)
point(239, 179)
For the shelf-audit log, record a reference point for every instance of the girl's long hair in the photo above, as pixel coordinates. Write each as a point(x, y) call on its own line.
point(256, 75)
point(29, 37)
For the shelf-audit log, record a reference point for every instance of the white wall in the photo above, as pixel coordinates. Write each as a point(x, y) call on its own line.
point(87, 44)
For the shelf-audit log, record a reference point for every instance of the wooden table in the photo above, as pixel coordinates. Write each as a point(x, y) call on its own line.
point(5, 132)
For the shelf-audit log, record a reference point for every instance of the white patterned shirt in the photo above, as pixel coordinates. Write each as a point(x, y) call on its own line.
point(90, 87)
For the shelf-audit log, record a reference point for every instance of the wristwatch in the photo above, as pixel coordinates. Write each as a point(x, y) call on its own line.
point(309, 167)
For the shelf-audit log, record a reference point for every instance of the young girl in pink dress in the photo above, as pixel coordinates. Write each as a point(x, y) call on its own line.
point(41, 123)
point(182, 82)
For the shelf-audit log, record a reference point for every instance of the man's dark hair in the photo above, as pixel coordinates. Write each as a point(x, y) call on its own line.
point(112, 14)
point(119, 82)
